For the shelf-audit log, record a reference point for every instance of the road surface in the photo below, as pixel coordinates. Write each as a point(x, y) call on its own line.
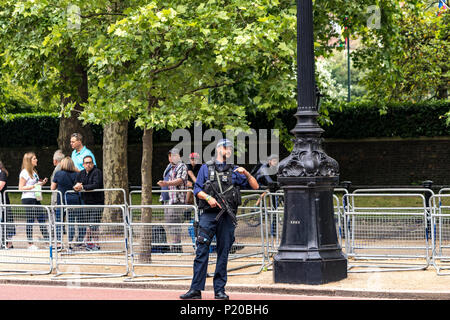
point(41, 292)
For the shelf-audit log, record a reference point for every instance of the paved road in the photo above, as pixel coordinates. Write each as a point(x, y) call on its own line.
point(40, 292)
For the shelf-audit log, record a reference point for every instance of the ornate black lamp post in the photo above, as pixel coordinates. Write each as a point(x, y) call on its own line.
point(309, 252)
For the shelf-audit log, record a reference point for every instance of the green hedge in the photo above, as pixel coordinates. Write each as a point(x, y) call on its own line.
point(359, 120)
point(364, 120)
point(350, 121)
point(26, 129)
point(41, 129)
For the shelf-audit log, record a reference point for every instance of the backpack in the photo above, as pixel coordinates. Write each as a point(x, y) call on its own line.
point(159, 236)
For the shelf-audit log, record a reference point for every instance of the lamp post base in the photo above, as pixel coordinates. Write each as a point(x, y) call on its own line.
point(312, 272)
point(309, 252)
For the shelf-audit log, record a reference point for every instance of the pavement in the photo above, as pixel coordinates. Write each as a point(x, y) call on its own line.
point(411, 285)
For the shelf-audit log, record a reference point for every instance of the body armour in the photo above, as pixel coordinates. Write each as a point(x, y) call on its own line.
point(220, 181)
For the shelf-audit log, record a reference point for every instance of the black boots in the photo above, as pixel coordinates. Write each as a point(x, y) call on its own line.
point(197, 294)
point(192, 294)
point(221, 296)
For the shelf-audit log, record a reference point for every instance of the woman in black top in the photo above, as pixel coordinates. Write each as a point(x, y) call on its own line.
point(10, 229)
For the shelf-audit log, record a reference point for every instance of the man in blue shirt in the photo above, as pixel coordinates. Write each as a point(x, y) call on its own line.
point(213, 174)
point(79, 151)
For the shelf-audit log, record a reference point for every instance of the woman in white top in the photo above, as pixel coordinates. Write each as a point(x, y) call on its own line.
point(28, 180)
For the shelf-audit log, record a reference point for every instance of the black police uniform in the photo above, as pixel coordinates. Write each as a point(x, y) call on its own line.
point(222, 178)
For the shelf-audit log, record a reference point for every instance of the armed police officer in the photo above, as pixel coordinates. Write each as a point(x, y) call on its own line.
point(218, 190)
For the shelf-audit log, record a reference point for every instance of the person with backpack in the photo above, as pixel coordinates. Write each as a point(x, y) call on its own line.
point(218, 190)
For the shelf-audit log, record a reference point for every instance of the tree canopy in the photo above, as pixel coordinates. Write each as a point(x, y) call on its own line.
point(167, 63)
point(406, 58)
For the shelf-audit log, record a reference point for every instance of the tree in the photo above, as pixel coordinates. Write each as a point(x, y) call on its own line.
point(158, 62)
point(406, 59)
point(43, 46)
point(161, 61)
point(52, 66)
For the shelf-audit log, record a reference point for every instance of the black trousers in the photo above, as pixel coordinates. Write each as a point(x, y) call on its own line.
point(224, 231)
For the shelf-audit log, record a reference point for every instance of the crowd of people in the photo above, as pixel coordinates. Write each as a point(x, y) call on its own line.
point(214, 187)
point(77, 173)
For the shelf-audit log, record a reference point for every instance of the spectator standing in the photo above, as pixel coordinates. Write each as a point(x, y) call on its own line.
point(164, 197)
point(63, 181)
point(80, 151)
point(266, 174)
point(57, 157)
point(177, 180)
point(10, 229)
point(28, 181)
point(91, 178)
point(193, 167)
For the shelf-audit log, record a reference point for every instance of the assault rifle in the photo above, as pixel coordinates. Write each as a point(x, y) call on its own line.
point(226, 208)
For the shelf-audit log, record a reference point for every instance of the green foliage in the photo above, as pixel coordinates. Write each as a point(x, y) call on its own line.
point(37, 50)
point(358, 120)
point(168, 63)
point(162, 61)
point(355, 120)
point(407, 58)
point(14, 98)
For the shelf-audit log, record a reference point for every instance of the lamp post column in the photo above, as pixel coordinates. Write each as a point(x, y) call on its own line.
point(309, 252)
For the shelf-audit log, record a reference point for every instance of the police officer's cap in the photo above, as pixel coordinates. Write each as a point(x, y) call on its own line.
point(224, 143)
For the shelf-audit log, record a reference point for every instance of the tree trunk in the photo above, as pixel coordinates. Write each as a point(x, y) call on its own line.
point(67, 126)
point(115, 166)
point(146, 214)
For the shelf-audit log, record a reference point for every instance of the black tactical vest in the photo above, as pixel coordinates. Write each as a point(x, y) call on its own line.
point(220, 180)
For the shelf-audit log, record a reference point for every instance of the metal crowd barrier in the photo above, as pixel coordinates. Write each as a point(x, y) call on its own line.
point(107, 190)
point(273, 204)
point(273, 208)
point(374, 238)
point(20, 224)
point(172, 241)
point(338, 218)
point(339, 208)
point(157, 245)
point(95, 244)
point(248, 249)
point(158, 191)
point(30, 253)
point(386, 238)
point(440, 220)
